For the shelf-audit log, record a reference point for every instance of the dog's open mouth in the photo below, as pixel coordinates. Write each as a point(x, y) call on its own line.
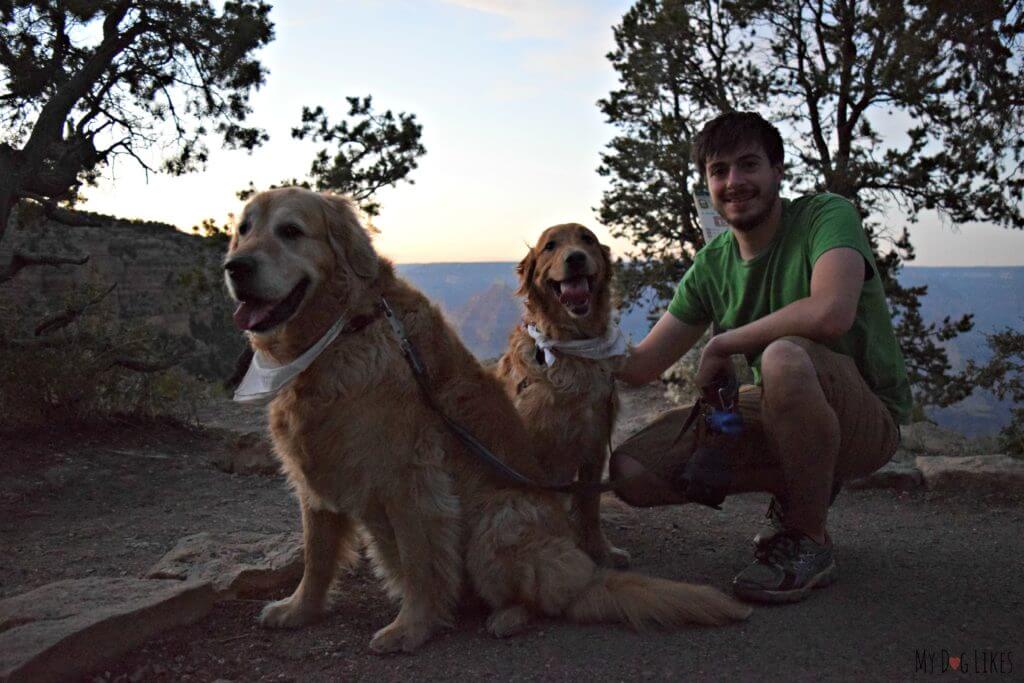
point(574, 293)
point(260, 316)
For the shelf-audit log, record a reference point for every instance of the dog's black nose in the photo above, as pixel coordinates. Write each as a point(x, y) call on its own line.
point(240, 267)
point(576, 260)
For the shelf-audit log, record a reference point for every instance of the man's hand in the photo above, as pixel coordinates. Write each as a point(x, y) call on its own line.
point(662, 347)
point(715, 360)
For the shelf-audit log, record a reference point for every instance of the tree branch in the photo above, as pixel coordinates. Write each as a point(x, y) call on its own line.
point(48, 125)
point(145, 366)
point(69, 314)
point(22, 259)
point(813, 97)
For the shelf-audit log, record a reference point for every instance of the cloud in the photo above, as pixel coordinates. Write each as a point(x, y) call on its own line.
point(533, 18)
point(575, 36)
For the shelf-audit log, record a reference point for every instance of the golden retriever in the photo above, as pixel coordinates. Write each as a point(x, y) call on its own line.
point(568, 407)
point(363, 449)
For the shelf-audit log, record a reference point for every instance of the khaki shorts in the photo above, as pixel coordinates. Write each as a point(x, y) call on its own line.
point(868, 433)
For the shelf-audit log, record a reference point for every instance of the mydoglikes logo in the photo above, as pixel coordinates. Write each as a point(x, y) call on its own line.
point(972, 661)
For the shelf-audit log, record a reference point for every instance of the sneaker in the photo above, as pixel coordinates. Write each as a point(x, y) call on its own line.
point(787, 566)
point(774, 516)
point(777, 512)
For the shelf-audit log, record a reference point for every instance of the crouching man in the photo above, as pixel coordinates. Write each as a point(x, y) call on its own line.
point(793, 286)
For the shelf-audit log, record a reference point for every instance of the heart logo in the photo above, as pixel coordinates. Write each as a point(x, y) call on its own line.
point(954, 662)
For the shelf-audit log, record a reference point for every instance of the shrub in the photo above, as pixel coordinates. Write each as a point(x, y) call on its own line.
point(89, 369)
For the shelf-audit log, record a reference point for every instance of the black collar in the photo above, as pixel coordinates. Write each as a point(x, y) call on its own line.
point(360, 321)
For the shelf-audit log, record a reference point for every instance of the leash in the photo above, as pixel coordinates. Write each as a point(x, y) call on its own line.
point(482, 453)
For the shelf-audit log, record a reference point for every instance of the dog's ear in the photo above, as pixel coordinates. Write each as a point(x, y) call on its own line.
point(526, 269)
point(347, 235)
point(606, 256)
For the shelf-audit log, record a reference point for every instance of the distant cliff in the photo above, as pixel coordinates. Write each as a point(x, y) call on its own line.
point(485, 321)
point(165, 278)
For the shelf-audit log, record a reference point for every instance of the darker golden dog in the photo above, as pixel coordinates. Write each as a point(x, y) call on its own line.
point(569, 405)
point(362, 448)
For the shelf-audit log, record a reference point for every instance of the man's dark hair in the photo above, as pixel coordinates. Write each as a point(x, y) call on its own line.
point(734, 130)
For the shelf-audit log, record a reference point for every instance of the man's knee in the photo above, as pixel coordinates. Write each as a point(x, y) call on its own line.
point(787, 368)
point(787, 372)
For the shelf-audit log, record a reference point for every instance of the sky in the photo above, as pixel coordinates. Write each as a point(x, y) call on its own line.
point(506, 92)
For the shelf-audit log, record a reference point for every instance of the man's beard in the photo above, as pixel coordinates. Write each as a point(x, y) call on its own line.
point(749, 223)
point(752, 222)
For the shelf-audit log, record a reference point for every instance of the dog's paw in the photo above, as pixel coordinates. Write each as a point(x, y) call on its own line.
point(508, 621)
point(609, 556)
point(289, 613)
point(400, 637)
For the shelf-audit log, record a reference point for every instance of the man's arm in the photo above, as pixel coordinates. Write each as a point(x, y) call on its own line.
point(667, 341)
point(836, 283)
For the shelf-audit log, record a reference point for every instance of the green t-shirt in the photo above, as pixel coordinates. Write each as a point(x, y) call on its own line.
point(722, 288)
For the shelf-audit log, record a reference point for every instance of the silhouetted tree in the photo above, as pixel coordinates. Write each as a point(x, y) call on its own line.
point(1004, 376)
point(85, 81)
point(369, 151)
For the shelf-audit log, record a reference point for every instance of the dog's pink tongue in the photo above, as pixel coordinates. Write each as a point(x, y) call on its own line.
point(575, 291)
point(249, 315)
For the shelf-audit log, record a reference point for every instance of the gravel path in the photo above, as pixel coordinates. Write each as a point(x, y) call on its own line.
point(922, 578)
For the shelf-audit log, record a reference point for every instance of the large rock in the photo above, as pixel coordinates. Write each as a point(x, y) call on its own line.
point(68, 628)
point(235, 564)
point(925, 437)
point(244, 453)
point(242, 430)
point(990, 473)
point(897, 474)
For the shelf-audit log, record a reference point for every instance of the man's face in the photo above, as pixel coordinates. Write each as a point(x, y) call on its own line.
point(744, 186)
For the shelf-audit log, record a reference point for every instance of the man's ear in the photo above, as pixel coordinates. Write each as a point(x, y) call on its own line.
point(526, 269)
point(347, 236)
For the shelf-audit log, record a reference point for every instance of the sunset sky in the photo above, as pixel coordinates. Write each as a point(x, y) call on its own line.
point(505, 91)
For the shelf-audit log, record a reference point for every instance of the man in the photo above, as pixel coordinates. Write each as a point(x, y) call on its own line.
point(794, 286)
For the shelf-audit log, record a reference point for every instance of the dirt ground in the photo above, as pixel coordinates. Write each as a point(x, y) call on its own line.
point(922, 578)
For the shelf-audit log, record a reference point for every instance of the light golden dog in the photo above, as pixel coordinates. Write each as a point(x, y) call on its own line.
point(361, 447)
point(568, 407)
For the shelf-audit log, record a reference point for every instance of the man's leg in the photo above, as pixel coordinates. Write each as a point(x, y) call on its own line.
point(803, 430)
point(816, 423)
point(825, 425)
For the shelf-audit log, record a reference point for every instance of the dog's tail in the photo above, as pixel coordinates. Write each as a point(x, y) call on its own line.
point(641, 601)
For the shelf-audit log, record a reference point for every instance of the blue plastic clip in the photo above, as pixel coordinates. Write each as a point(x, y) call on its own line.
point(726, 422)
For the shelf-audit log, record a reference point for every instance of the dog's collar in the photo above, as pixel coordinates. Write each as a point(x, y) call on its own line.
point(360, 321)
point(612, 343)
point(265, 377)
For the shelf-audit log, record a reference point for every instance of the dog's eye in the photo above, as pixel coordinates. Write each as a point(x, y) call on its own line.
point(243, 227)
point(289, 232)
point(589, 239)
point(550, 246)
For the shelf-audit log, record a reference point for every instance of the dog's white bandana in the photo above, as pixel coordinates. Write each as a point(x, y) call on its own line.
point(265, 377)
point(613, 343)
